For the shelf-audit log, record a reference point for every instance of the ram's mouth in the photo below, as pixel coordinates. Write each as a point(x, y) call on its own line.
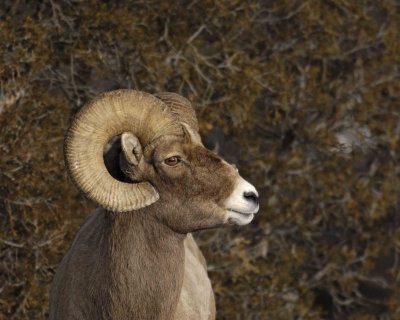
point(247, 214)
point(239, 218)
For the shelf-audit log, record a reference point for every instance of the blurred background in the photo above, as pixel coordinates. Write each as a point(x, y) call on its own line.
point(304, 96)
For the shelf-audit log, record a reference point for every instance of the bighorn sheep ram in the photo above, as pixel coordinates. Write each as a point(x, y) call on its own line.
point(135, 257)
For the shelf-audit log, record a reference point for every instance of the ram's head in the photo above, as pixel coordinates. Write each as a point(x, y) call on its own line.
point(167, 171)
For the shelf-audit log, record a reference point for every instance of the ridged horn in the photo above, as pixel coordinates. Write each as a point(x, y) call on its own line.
point(182, 109)
point(106, 116)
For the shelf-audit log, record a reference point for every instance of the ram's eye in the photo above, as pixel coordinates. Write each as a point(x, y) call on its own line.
point(172, 161)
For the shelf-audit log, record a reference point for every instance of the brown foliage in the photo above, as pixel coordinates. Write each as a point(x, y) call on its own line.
point(304, 95)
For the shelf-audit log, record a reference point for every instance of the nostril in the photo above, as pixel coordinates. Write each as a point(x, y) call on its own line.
point(251, 196)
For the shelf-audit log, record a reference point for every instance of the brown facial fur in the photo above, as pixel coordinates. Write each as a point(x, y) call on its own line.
point(192, 192)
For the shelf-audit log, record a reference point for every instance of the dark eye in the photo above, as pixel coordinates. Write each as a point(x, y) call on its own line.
point(172, 161)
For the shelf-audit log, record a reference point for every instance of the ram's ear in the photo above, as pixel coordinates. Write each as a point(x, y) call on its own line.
point(131, 148)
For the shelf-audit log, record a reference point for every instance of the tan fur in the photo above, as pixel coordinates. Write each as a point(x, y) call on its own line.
point(144, 264)
point(195, 284)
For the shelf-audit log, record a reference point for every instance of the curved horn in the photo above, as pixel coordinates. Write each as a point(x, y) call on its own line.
point(182, 109)
point(106, 116)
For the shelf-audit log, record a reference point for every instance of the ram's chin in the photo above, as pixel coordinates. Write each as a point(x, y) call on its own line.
point(239, 219)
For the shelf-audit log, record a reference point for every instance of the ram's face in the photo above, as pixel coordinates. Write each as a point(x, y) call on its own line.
point(197, 188)
point(172, 176)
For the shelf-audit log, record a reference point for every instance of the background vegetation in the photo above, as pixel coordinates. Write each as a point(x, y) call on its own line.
point(302, 95)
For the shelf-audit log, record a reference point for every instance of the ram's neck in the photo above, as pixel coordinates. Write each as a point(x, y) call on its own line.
point(146, 264)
